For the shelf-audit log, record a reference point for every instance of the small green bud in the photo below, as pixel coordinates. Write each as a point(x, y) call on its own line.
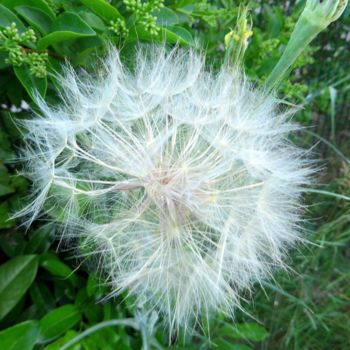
point(131, 5)
point(143, 13)
point(37, 63)
point(28, 36)
point(236, 41)
point(11, 32)
point(15, 57)
point(119, 27)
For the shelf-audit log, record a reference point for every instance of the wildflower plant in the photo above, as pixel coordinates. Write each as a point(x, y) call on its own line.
point(179, 180)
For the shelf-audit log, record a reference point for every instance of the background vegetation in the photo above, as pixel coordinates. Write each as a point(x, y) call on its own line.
point(47, 297)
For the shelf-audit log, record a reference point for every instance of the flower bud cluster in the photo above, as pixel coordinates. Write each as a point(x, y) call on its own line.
point(143, 11)
point(13, 42)
point(119, 28)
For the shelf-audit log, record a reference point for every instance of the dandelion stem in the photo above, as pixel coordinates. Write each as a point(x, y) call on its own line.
point(330, 194)
point(304, 32)
point(330, 145)
point(124, 322)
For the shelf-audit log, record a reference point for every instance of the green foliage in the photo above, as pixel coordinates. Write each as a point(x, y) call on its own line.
point(59, 321)
point(20, 337)
point(16, 276)
point(46, 298)
point(36, 37)
point(7, 18)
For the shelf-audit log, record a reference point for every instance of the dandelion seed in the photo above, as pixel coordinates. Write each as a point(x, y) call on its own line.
point(181, 181)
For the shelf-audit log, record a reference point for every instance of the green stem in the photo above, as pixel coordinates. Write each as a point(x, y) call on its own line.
point(330, 194)
point(125, 322)
point(304, 32)
point(329, 144)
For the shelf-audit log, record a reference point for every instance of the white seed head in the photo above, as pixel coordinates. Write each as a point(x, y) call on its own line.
point(180, 180)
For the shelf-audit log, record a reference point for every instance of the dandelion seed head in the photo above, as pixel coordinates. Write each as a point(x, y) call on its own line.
point(180, 180)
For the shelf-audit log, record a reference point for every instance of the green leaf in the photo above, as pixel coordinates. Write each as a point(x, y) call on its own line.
point(250, 331)
point(109, 339)
point(16, 276)
point(67, 26)
point(182, 33)
point(6, 145)
point(30, 313)
point(166, 17)
point(172, 35)
point(7, 17)
point(39, 4)
point(103, 9)
point(275, 20)
point(186, 5)
point(12, 243)
point(58, 344)
point(93, 312)
point(93, 21)
point(3, 56)
point(94, 287)
point(4, 216)
point(51, 263)
point(22, 336)
point(19, 183)
point(84, 49)
point(5, 181)
point(223, 344)
point(36, 18)
point(41, 296)
point(59, 321)
point(240, 347)
point(31, 84)
point(40, 240)
point(5, 189)
point(14, 91)
point(15, 315)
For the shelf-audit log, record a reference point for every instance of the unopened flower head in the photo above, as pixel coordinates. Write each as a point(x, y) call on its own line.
point(180, 180)
point(316, 16)
point(324, 12)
